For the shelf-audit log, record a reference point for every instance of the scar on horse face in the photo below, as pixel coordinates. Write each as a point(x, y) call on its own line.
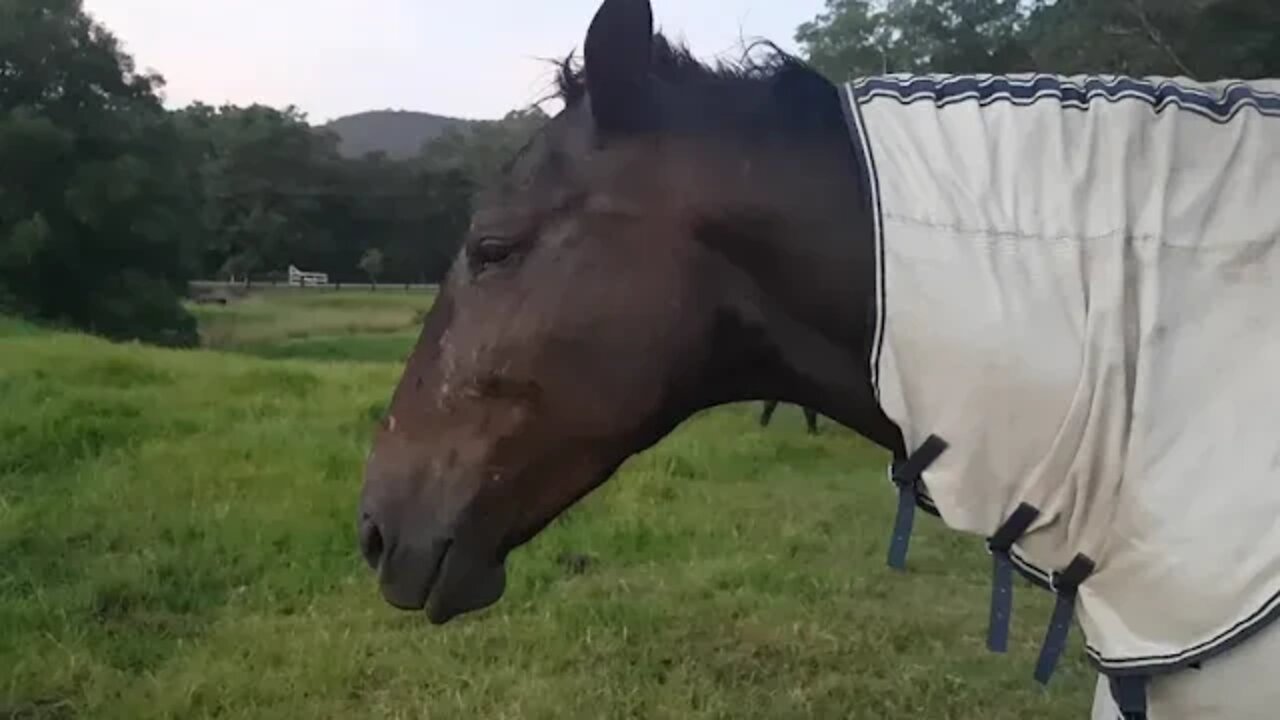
point(676, 238)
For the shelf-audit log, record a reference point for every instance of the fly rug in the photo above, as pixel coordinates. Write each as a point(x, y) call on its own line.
point(1078, 334)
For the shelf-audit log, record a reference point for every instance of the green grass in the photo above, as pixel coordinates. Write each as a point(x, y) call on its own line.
point(369, 347)
point(266, 323)
point(177, 541)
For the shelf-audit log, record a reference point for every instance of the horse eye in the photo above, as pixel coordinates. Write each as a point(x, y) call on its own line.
point(490, 251)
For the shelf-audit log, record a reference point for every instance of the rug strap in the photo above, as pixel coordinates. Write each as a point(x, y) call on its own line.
point(1130, 695)
point(1064, 584)
point(905, 475)
point(999, 546)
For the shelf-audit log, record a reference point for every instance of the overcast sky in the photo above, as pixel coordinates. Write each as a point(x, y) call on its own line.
point(465, 58)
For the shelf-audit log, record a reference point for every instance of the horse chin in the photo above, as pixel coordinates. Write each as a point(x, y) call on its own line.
point(465, 584)
point(446, 579)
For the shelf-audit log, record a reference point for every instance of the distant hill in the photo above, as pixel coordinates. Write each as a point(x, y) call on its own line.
point(398, 133)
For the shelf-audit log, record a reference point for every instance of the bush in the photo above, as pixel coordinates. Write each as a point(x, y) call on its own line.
point(134, 305)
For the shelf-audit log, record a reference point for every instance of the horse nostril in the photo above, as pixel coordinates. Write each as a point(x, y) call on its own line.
point(371, 544)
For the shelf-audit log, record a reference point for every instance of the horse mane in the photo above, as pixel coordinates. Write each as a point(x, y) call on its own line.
point(675, 64)
point(771, 90)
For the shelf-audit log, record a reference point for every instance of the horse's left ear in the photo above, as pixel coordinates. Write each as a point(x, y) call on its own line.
point(619, 56)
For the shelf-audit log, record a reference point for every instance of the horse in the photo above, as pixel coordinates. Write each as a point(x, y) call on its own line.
point(771, 406)
point(1050, 300)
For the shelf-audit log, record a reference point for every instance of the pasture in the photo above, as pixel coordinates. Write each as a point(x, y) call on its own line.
point(177, 540)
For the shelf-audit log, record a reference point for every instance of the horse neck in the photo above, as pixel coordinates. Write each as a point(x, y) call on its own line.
point(791, 232)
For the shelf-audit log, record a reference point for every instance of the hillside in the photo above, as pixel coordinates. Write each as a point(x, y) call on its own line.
point(398, 133)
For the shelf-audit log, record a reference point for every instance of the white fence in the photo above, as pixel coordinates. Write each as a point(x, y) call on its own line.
point(298, 278)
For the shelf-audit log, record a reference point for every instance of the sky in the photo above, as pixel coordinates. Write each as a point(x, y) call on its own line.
point(463, 58)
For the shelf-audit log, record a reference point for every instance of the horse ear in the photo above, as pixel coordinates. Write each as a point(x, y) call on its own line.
point(619, 54)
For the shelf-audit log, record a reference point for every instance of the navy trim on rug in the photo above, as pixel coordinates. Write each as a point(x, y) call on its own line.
point(1246, 628)
point(945, 90)
point(859, 129)
point(1036, 575)
point(1242, 630)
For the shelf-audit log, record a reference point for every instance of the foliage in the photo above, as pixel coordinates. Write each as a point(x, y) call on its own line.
point(96, 196)
point(278, 192)
point(109, 204)
point(1203, 39)
point(481, 148)
point(863, 37)
point(372, 264)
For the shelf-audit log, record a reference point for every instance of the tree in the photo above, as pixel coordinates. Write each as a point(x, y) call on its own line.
point(276, 191)
point(96, 195)
point(861, 37)
point(109, 204)
point(268, 180)
point(1203, 39)
point(371, 264)
point(480, 149)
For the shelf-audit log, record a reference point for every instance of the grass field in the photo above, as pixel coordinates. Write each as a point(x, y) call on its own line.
point(177, 541)
point(316, 325)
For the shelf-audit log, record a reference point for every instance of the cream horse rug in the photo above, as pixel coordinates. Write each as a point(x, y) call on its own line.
point(1079, 327)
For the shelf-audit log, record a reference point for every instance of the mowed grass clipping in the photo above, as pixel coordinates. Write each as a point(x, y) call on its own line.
point(177, 540)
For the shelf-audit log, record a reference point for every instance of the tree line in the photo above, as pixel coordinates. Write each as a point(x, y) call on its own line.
point(1200, 39)
point(110, 203)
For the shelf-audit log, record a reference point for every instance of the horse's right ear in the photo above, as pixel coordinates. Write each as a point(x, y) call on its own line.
point(619, 55)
